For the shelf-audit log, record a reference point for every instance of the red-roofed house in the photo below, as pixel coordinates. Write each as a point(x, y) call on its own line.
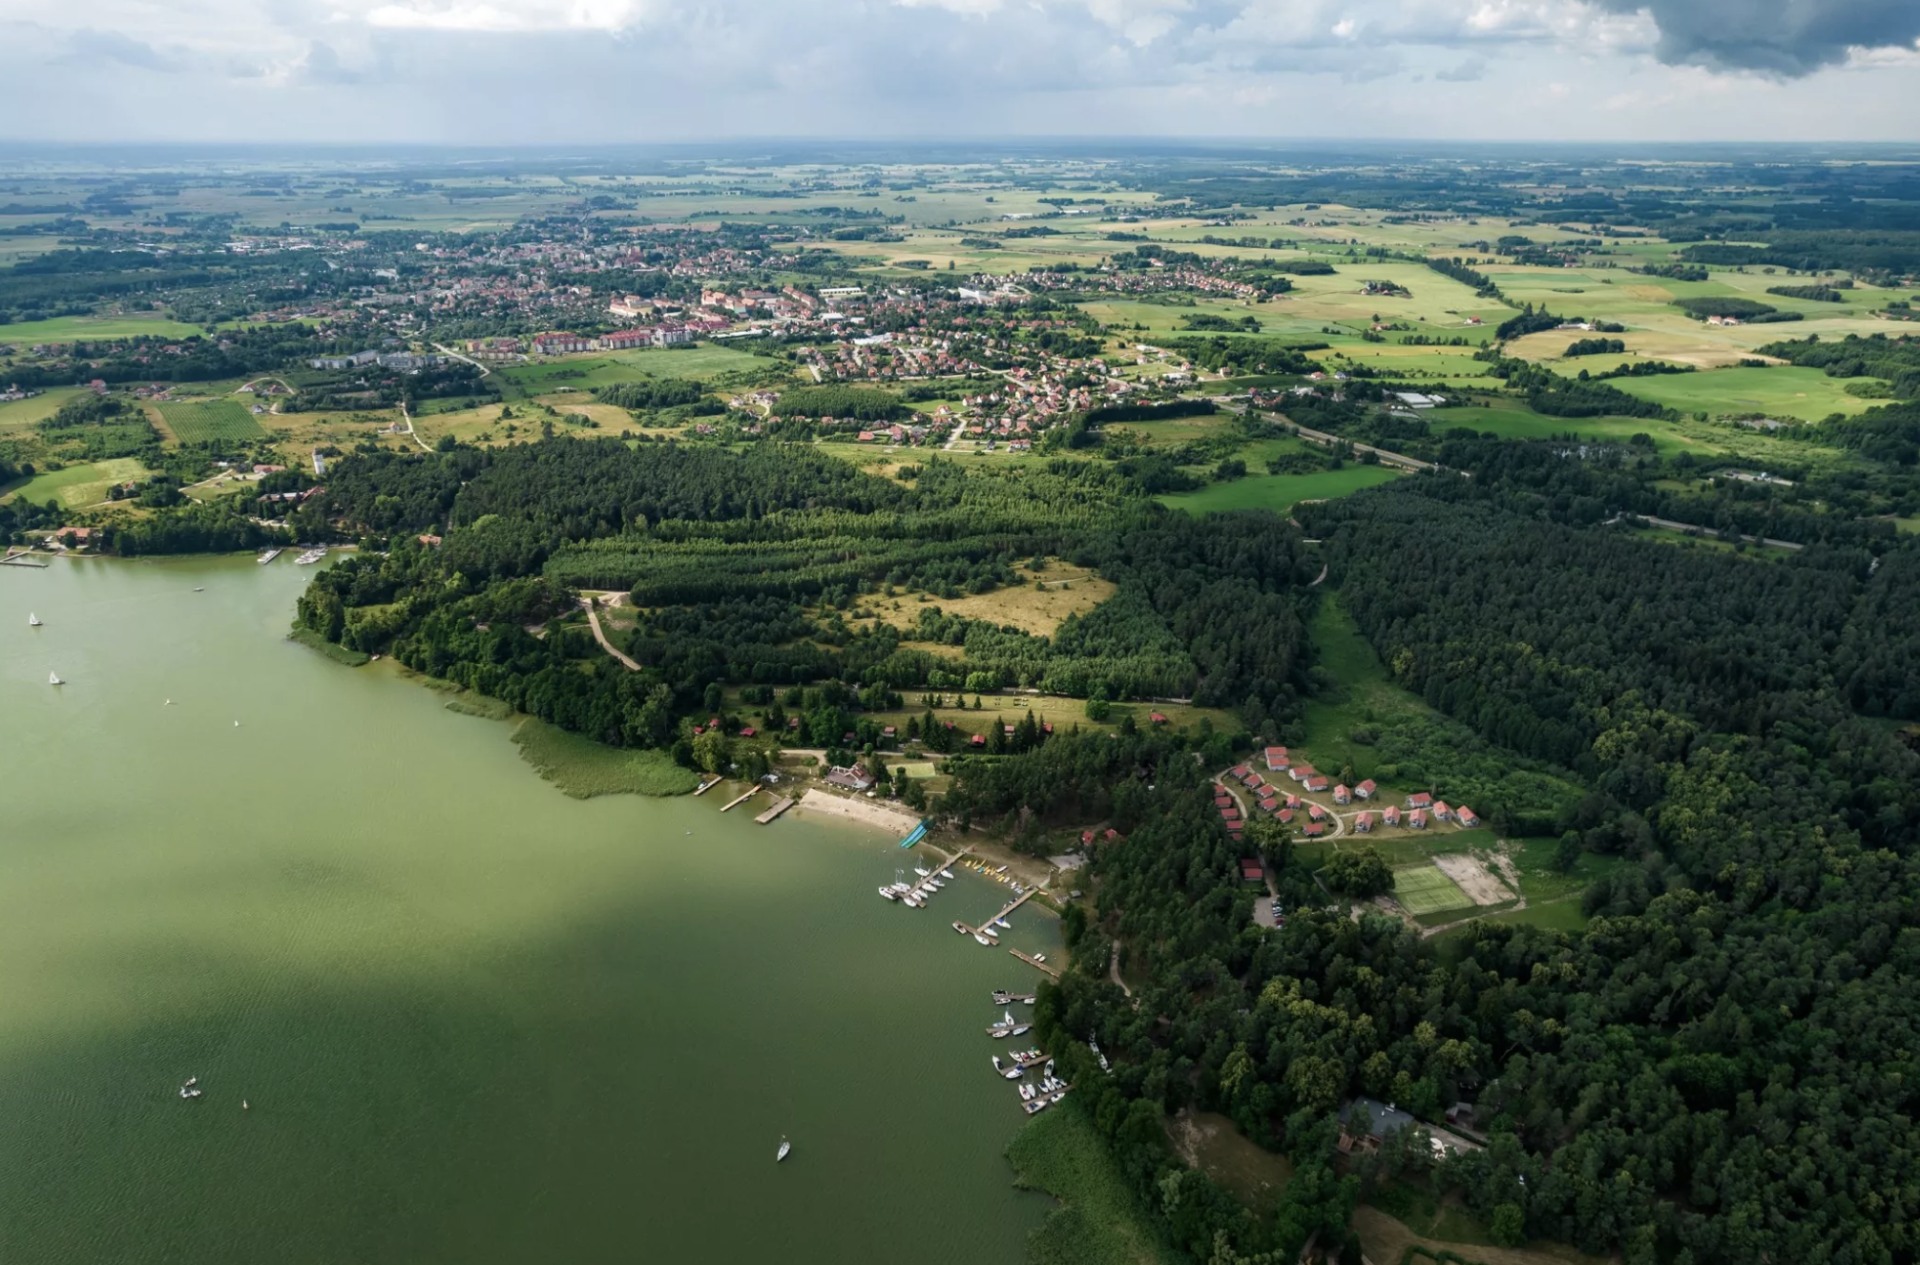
point(1300, 772)
point(1238, 772)
point(1316, 813)
point(1391, 814)
point(1316, 784)
point(747, 731)
point(1230, 813)
point(1285, 815)
point(1156, 718)
point(1366, 789)
point(1251, 872)
point(1363, 823)
point(1342, 794)
point(1113, 834)
point(1422, 800)
point(979, 740)
point(1441, 812)
point(1293, 801)
point(1465, 816)
point(887, 732)
point(1312, 831)
point(1417, 819)
point(1086, 837)
point(1277, 759)
point(1270, 805)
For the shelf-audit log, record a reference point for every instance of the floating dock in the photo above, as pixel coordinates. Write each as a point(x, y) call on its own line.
point(706, 786)
point(22, 560)
point(736, 802)
point(1035, 963)
point(780, 805)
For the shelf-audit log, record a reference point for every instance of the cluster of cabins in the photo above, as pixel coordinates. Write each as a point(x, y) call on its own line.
point(1315, 822)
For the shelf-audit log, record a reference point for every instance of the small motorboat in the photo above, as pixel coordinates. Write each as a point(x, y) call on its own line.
point(785, 1148)
point(996, 1065)
point(199, 588)
point(1035, 1107)
point(1003, 924)
point(243, 1105)
point(961, 927)
point(889, 893)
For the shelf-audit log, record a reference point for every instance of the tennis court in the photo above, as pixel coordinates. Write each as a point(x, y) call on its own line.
point(1424, 889)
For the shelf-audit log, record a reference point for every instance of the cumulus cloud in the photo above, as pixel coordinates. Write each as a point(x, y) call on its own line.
point(517, 16)
point(1789, 38)
point(1472, 70)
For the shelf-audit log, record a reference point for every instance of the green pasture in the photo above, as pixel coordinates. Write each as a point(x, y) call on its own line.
point(1425, 889)
point(204, 421)
point(1279, 492)
point(1782, 391)
point(71, 329)
point(79, 486)
point(583, 373)
point(22, 415)
point(1519, 422)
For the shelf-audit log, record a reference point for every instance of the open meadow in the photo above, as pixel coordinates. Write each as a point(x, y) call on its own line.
point(204, 421)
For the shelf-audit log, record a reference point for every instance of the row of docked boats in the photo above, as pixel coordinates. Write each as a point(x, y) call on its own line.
point(916, 895)
point(1008, 1027)
point(1001, 997)
point(1035, 1099)
point(311, 556)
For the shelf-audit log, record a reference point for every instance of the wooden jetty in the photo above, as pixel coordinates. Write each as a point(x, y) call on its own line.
point(22, 559)
point(735, 803)
point(707, 786)
point(1036, 963)
point(988, 928)
point(780, 805)
point(934, 873)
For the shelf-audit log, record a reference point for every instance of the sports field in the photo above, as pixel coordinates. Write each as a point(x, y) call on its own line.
point(1423, 889)
point(79, 486)
point(202, 421)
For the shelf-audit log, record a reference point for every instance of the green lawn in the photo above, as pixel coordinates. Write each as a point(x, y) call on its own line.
point(1425, 889)
point(68, 329)
point(1519, 422)
point(80, 485)
point(201, 421)
point(586, 372)
point(1279, 492)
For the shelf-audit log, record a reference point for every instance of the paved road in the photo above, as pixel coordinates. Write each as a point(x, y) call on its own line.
point(1671, 525)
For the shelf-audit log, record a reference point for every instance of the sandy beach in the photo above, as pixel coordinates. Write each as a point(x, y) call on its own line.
point(885, 816)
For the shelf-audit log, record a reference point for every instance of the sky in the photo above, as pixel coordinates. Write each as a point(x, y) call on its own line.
point(620, 71)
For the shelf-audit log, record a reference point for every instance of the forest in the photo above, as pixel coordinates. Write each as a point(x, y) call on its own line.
point(1716, 1070)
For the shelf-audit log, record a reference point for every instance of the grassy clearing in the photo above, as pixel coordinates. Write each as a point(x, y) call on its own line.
point(1100, 1222)
point(338, 653)
point(202, 421)
point(1424, 889)
point(584, 768)
point(79, 486)
point(1519, 422)
point(1279, 492)
point(1069, 591)
point(1211, 1143)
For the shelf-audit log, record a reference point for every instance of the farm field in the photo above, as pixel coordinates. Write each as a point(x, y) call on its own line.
point(1424, 889)
point(1516, 421)
point(583, 373)
point(1783, 391)
point(69, 329)
point(1279, 492)
point(203, 421)
point(79, 486)
point(1069, 591)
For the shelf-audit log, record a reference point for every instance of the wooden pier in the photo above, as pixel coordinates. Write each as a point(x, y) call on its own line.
point(934, 873)
point(780, 805)
point(1036, 963)
point(988, 928)
point(735, 803)
point(22, 559)
point(707, 786)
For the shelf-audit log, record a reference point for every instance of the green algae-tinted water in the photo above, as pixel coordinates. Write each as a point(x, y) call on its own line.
point(476, 1021)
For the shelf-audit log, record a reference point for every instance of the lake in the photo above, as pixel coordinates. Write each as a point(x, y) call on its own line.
point(474, 1020)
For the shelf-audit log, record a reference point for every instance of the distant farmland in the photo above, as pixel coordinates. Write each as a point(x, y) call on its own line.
point(201, 421)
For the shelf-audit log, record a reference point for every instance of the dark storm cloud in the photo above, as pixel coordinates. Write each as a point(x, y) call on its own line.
point(1790, 38)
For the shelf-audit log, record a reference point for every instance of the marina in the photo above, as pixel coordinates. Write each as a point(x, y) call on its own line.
point(1036, 963)
point(311, 556)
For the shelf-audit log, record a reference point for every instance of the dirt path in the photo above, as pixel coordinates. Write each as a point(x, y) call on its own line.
point(415, 436)
point(593, 618)
point(1113, 969)
point(1321, 576)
